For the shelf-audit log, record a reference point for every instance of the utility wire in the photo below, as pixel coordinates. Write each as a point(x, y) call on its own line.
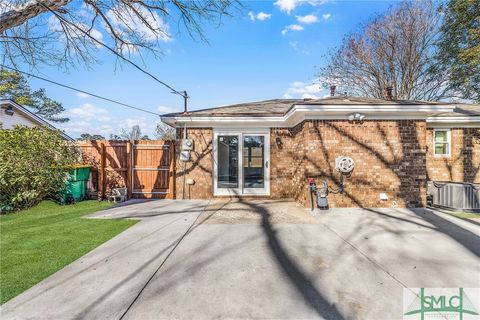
point(183, 94)
point(82, 91)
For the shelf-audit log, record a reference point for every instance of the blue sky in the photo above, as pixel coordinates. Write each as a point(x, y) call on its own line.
point(269, 50)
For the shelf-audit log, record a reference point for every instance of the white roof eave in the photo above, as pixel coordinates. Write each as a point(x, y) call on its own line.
point(299, 113)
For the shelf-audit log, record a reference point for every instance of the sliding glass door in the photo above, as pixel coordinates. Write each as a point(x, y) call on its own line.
point(241, 163)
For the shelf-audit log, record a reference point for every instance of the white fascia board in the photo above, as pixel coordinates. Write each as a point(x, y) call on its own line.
point(452, 122)
point(372, 109)
point(299, 113)
point(216, 122)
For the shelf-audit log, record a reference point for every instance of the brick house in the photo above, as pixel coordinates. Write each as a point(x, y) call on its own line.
point(270, 149)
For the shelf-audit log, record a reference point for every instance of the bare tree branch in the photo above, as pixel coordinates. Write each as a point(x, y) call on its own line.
point(66, 33)
point(394, 49)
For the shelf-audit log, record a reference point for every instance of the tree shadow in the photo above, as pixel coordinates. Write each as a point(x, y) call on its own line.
point(198, 165)
point(302, 283)
point(407, 163)
point(466, 238)
point(169, 248)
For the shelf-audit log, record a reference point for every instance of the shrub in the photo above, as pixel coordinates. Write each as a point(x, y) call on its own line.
point(34, 163)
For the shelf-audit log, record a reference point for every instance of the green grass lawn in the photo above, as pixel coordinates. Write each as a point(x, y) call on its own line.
point(37, 242)
point(465, 215)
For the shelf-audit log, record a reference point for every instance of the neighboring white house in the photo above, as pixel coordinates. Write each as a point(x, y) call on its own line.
point(12, 114)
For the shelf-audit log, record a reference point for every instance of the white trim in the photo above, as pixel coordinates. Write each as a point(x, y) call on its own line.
point(449, 143)
point(301, 112)
point(240, 190)
point(452, 122)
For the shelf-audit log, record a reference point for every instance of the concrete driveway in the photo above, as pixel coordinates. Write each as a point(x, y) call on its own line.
point(258, 259)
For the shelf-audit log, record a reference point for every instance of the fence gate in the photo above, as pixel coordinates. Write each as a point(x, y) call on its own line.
point(145, 167)
point(152, 169)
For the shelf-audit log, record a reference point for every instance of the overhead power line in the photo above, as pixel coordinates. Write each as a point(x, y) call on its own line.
point(79, 90)
point(173, 90)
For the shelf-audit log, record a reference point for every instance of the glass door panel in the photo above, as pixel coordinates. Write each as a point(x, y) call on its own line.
point(227, 156)
point(253, 162)
point(241, 163)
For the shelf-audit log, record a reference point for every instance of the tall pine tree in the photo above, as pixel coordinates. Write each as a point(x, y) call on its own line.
point(14, 86)
point(459, 46)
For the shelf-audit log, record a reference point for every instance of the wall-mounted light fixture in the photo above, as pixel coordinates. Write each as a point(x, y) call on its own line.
point(356, 117)
point(9, 111)
point(278, 142)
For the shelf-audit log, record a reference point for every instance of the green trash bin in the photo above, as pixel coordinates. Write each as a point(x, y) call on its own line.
point(77, 189)
point(76, 184)
point(80, 173)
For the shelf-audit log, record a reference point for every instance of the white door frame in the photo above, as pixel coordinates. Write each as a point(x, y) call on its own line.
point(241, 191)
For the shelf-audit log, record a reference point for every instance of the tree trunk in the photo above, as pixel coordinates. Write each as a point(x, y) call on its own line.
point(22, 13)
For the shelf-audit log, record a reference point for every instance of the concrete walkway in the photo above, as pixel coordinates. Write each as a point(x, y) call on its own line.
point(103, 283)
point(258, 259)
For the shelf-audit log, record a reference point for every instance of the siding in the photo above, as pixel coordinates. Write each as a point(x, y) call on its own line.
point(8, 122)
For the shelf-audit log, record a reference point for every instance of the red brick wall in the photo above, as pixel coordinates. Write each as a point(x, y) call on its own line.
point(464, 161)
point(389, 158)
point(200, 168)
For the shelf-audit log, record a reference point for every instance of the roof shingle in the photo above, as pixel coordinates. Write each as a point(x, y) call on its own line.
point(276, 107)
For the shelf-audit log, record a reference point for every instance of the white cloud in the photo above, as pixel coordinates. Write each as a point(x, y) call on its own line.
point(130, 122)
point(326, 16)
point(88, 111)
point(88, 118)
point(75, 126)
point(286, 5)
point(289, 5)
point(312, 90)
point(310, 96)
point(297, 84)
point(309, 18)
point(82, 95)
point(292, 27)
point(261, 16)
point(299, 47)
point(165, 109)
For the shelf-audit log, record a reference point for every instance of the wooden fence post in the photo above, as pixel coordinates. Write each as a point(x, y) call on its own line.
point(171, 182)
point(128, 184)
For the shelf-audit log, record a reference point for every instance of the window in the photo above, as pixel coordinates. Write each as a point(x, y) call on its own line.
point(441, 141)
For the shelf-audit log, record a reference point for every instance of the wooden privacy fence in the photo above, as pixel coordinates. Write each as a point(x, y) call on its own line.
point(145, 167)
